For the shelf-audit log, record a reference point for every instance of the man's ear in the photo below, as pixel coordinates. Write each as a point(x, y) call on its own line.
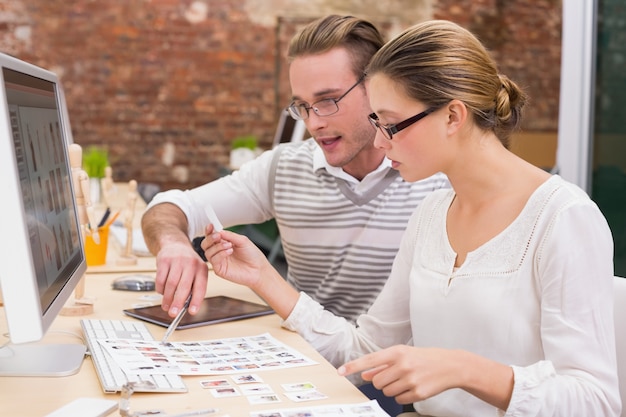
point(457, 116)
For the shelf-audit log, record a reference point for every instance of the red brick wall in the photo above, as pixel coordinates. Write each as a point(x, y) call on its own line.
point(140, 74)
point(525, 39)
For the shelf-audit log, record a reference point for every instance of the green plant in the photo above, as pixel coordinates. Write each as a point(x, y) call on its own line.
point(248, 141)
point(95, 160)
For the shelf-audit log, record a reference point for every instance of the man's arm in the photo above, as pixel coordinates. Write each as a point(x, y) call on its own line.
point(163, 224)
point(179, 268)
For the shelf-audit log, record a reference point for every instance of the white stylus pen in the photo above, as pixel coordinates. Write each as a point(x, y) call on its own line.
point(176, 320)
point(217, 225)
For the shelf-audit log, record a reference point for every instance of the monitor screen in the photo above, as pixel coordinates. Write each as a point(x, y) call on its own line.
point(41, 251)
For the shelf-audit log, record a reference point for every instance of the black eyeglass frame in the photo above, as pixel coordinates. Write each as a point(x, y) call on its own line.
point(295, 114)
point(390, 130)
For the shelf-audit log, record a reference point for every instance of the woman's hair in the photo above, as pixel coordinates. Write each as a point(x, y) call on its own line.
point(359, 37)
point(438, 61)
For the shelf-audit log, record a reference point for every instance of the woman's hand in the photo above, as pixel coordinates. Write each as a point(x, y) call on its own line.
point(234, 257)
point(407, 373)
point(412, 374)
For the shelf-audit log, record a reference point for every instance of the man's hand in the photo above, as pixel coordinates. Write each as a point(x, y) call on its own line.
point(179, 268)
point(179, 271)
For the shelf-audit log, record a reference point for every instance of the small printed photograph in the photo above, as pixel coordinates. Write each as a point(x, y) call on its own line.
point(271, 364)
point(263, 399)
point(298, 386)
point(309, 395)
point(361, 409)
point(329, 411)
point(298, 414)
point(225, 368)
point(247, 366)
point(213, 383)
point(294, 361)
point(148, 349)
point(224, 392)
point(246, 378)
point(150, 413)
point(256, 389)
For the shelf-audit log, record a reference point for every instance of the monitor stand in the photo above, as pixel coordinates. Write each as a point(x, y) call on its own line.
point(39, 359)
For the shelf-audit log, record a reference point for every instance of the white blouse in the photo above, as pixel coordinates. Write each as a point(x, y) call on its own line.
point(538, 296)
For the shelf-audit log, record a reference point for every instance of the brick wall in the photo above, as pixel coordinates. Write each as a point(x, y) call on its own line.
point(165, 85)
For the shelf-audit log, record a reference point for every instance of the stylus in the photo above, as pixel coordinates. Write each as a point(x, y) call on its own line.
point(217, 226)
point(177, 320)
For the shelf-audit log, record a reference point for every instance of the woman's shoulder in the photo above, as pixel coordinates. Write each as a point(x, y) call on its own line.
point(559, 197)
point(563, 191)
point(437, 201)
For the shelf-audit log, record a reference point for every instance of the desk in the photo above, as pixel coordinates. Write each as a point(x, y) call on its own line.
point(36, 397)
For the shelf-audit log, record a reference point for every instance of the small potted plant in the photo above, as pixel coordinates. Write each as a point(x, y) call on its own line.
point(95, 161)
point(244, 149)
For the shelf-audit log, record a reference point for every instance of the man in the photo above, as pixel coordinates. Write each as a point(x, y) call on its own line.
point(339, 206)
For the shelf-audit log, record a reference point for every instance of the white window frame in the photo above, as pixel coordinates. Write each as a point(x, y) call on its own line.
point(576, 102)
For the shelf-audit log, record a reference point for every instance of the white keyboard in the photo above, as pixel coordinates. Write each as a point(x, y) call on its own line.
point(111, 376)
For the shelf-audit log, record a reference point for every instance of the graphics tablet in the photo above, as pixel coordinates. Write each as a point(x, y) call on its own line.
point(213, 310)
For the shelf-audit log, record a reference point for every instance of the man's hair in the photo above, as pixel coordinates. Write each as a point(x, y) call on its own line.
point(359, 37)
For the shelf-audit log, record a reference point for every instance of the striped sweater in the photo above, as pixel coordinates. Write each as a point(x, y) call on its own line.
point(344, 260)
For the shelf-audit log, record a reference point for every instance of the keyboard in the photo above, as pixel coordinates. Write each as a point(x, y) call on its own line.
point(111, 376)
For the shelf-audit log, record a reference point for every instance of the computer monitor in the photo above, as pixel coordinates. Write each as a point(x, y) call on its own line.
point(41, 251)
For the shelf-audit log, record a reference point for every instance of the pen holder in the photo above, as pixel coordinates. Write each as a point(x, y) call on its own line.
point(96, 253)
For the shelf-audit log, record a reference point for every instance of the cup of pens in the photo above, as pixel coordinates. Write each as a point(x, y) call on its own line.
point(96, 253)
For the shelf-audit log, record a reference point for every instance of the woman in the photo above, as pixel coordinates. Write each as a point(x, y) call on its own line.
point(500, 298)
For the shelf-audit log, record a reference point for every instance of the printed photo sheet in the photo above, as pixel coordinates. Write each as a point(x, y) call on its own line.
point(366, 409)
point(206, 357)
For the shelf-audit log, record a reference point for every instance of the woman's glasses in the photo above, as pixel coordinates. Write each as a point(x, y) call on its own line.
point(390, 130)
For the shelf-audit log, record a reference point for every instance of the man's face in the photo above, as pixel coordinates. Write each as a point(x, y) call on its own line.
point(343, 135)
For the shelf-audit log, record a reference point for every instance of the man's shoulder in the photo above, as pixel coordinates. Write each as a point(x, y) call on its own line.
point(295, 155)
point(304, 148)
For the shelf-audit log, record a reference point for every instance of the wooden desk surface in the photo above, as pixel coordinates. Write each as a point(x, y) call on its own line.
point(36, 397)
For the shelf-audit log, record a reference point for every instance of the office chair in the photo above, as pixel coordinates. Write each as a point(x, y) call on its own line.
point(619, 294)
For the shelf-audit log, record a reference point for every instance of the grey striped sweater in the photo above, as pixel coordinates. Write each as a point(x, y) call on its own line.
point(340, 246)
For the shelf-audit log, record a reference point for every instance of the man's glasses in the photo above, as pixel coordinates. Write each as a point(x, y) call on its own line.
point(325, 107)
point(390, 130)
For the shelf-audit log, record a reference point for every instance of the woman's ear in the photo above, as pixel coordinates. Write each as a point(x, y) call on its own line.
point(457, 116)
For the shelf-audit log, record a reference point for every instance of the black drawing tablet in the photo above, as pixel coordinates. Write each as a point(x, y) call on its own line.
point(213, 310)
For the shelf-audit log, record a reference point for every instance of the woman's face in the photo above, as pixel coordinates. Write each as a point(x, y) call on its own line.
point(417, 150)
